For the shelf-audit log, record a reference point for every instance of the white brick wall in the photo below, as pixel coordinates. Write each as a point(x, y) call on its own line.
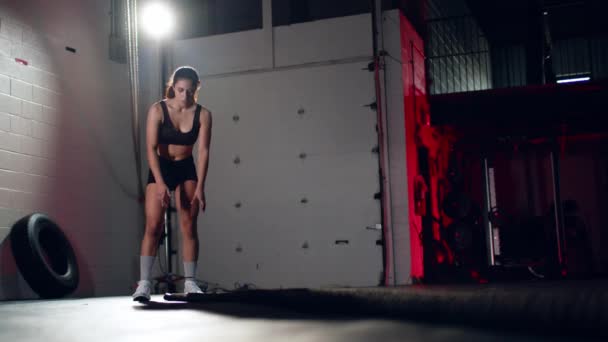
point(4, 202)
point(8, 67)
point(33, 39)
point(10, 30)
point(21, 126)
point(49, 115)
point(5, 47)
point(5, 84)
point(5, 122)
point(10, 104)
point(30, 110)
point(69, 156)
point(21, 90)
point(43, 131)
point(29, 95)
point(9, 142)
point(5, 159)
point(45, 96)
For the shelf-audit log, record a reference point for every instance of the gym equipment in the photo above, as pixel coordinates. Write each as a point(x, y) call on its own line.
point(44, 256)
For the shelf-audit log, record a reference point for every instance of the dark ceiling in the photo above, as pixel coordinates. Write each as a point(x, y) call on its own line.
point(514, 21)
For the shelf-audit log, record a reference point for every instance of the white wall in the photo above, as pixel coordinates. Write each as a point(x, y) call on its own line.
point(65, 140)
point(338, 177)
point(26, 123)
point(338, 39)
point(316, 67)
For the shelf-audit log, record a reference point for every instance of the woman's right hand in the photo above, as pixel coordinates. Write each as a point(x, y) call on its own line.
point(162, 193)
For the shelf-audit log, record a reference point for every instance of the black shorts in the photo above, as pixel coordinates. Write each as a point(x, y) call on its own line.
point(175, 173)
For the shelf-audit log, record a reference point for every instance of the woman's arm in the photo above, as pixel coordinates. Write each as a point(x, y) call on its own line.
point(204, 138)
point(152, 124)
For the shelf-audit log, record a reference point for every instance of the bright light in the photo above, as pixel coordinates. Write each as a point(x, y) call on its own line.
point(157, 20)
point(570, 80)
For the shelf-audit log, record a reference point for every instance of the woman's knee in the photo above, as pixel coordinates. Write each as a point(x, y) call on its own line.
point(153, 229)
point(188, 228)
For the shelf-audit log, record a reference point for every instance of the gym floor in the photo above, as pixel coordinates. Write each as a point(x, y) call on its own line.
point(543, 311)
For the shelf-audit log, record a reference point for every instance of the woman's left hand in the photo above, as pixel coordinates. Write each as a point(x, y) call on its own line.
point(199, 195)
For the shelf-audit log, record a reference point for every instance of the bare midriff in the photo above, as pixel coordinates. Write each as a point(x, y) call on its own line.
point(175, 152)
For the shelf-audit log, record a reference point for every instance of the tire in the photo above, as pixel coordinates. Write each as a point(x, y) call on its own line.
point(44, 256)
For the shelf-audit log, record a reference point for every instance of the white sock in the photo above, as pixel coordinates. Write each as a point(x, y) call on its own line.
point(145, 266)
point(190, 270)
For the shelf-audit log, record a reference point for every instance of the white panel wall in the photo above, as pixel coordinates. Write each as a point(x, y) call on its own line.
point(225, 53)
point(320, 41)
point(311, 102)
point(65, 141)
point(338, 177)
point(323, 40)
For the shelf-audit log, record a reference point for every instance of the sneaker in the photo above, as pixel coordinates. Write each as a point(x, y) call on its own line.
point(142, 293)
point(190, 286)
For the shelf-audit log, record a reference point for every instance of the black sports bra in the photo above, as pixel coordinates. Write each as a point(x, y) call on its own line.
point(169, 135)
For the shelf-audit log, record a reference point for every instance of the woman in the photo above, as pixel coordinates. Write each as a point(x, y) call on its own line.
point(173, 127)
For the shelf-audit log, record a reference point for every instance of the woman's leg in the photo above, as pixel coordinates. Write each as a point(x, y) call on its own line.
point(154, 221)
point(187, 222)
point(187, 215)
point(149, 244)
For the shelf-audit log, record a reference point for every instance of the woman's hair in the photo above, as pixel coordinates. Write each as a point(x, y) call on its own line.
point(183, 73)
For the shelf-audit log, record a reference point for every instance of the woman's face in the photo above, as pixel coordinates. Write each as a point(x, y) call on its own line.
point(184, 90)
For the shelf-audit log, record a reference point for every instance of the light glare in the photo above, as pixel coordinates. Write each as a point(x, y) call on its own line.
point(571, 80)
point(157, 20)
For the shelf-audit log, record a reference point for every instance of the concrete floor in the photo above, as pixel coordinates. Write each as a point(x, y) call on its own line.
point(120, 319)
